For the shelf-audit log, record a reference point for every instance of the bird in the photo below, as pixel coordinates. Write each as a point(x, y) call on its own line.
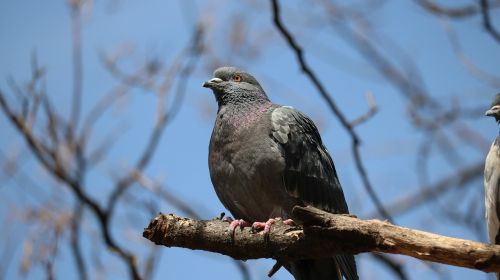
point(265, 158)
point(492, 179)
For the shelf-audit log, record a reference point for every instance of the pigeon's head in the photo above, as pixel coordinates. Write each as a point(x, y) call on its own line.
point(233, 85)
point(494, 110)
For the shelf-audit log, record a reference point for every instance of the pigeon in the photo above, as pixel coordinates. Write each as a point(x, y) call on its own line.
point(492, 180)
point(266, 158)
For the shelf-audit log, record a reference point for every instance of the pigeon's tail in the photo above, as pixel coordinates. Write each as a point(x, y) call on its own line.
point(347, 265)
point(324, 269)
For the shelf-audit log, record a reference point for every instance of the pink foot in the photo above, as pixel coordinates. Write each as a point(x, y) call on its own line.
point(233, 224)
point(289, 222)
point(266, 227)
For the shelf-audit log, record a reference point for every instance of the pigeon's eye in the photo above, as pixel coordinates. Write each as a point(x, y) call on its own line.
point(237, 78)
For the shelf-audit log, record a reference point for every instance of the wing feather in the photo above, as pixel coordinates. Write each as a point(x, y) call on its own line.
point(310, 174)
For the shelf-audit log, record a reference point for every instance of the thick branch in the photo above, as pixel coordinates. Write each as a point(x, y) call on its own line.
point(324, 234)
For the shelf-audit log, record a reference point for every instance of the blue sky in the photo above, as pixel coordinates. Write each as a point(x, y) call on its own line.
point(161, 29)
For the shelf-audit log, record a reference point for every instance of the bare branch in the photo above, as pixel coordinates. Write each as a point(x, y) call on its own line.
point(76, 26)
point(75, 241)
point(372, 110)
point(323, 235)
point(485, 11)
point(455, 12)
point(36, 74)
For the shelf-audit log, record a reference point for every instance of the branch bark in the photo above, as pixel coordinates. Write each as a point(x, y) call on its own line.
point(322, 235)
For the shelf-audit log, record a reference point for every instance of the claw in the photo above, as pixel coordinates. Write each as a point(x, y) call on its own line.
point(289, 222)
point(244, 224)
point(233, 224)
point(264, 226)
point(221, 216)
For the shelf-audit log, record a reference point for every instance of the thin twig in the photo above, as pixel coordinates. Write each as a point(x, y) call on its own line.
point(455, 12)
point(485, 11)
point(75, 241)
point(76, 32)
point(372, 110)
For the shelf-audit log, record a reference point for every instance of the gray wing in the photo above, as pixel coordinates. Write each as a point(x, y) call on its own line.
point(310, 174)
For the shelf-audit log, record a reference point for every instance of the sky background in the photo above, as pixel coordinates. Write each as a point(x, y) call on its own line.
point(160, 30)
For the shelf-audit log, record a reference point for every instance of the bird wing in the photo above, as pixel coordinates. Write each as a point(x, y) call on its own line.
point(310, 174)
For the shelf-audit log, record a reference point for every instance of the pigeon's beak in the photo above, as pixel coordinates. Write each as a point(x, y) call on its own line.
point(212, 83)
point(493, 111)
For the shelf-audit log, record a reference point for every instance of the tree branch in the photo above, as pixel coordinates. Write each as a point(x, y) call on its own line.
point(323, 235)
point(450, 12)
point(76, 41)
point(485, 11)
point(372, 110)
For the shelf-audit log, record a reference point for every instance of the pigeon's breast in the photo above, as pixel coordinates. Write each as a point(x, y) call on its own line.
point(246, 168)
point(491, 188)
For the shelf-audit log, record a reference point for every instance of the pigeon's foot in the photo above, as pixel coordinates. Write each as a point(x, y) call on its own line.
point(289, 222)
point(233, 224)
point(266, 227)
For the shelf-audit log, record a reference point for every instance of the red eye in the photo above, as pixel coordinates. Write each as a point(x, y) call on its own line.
point(237, 78)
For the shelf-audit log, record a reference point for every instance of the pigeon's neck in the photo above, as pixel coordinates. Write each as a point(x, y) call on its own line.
point(240, 116)
point(242, 99)
point(241, 108)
